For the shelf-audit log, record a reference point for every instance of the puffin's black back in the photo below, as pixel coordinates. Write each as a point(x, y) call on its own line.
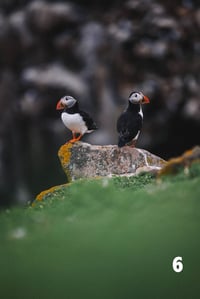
point(91, 125)
point(129, 124)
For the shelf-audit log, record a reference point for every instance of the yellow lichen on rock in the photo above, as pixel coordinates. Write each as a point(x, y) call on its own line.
point(151, 160)
point(44, 193)
point(184, 161)
point(64, 155)
point(64, 152)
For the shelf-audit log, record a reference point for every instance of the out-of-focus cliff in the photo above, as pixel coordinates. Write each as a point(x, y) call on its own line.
point(99, 52)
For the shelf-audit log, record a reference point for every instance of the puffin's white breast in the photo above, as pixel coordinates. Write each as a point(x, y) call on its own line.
point(74, 122)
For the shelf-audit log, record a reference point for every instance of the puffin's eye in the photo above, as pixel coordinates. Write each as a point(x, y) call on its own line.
point(136, 95)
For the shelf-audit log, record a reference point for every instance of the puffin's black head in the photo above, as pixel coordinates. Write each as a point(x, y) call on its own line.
point(66, 102)
point(137, 97)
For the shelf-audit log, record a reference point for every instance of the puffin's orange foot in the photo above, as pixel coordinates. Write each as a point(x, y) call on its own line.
point(75, 139)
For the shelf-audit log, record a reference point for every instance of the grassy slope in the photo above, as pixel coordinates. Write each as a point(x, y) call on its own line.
point(105, 239)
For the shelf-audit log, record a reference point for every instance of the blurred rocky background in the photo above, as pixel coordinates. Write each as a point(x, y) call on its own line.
point(98, 52)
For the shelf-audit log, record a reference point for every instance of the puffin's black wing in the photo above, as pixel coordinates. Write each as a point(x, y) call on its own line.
point(128, 126)
point(91, 125)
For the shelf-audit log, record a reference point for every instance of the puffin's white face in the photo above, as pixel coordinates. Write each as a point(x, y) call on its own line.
point(137, 97)
point(66, 102)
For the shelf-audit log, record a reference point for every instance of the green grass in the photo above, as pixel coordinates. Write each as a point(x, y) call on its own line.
point(109, 238)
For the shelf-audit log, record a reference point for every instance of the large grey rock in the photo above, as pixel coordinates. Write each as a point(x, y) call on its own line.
point(83, 160)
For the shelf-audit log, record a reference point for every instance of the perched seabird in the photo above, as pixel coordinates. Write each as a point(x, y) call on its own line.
point(76, 120)
point(129, 123)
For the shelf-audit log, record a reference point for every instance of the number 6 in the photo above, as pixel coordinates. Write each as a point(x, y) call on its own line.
point(177, 264)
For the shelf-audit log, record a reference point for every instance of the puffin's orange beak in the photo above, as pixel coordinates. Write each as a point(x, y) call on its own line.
point(145, 100)
point(59, 105)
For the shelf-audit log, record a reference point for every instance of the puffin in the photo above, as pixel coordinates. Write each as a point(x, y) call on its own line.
point(129, 123)
point(76, 120)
